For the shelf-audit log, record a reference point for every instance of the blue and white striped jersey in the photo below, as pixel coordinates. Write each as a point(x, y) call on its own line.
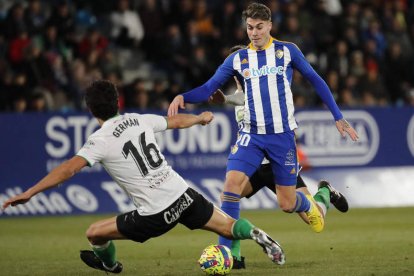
point(267, 76)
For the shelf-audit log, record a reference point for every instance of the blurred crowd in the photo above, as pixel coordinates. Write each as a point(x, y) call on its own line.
point(155, 49)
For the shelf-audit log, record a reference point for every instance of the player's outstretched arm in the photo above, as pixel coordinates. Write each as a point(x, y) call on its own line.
point(344, 127)
point(58, 175)
point(188, 120)
point(178, 102)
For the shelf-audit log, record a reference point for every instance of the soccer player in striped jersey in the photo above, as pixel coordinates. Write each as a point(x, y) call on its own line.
point(126, 147)
point(263, 177)
point(266, 69)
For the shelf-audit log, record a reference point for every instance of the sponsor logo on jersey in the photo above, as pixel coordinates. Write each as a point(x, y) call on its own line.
point(174, 212)
point(263, 71)
point(244, 61)
point(279, 53)
point(324, 146)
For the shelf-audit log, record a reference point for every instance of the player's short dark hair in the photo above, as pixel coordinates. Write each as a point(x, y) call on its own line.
point(101, 98)
point(257, 11)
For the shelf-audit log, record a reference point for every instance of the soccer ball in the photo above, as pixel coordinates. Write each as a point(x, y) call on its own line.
point(216, 260)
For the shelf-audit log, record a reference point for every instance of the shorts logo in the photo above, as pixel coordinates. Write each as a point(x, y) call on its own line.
point(293, 171)
point(290, 158)
point(174, 212)
point(279, 54)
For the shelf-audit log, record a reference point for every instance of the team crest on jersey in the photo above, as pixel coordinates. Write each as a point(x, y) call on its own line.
point(234, 149)
point(279, 53)
point(244, 61)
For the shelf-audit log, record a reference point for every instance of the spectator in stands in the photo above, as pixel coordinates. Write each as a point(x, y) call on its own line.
point(35, 17)
point(152, 18)
point(37, 67)
point(357, 67)
point(347, 99)
point(227, 21)
point(157, 96)
point(93, 41)
point(19, 104)
point(374, 33)
point(14, 23)
point(131, 91)
point(53, 44)
point(127, 29)
point(292, 32)
point(18, 46)
point(396, 72)
point(62, 17)
point(372, 82)
point(19, 91)
point(365, 34)
point(338, 60)
point(398, 34)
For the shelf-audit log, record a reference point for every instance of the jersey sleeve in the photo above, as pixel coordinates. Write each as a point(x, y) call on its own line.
point(302, 65)
point(158, 123)
point(203, 92)
point(94, 150)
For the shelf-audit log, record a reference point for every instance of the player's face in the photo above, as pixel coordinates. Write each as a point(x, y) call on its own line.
point(259, 32)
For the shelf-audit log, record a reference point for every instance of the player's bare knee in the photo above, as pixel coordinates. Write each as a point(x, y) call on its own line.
point(231, 185)
point(92, 233)
point(287, 206)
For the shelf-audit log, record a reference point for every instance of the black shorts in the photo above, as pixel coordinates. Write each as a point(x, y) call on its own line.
point(263, 177)
point(190, 209)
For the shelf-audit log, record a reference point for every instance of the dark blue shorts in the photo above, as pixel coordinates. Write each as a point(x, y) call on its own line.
point(280, 148)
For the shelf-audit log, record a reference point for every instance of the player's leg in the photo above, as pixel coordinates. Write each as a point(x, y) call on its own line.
point(202, 214)
point(281, 150)
point(333, 196)
point(100, 235)
point(244, 159)
point(242, 229)
point(319, 198)
point(234, 185)
point(261, 178)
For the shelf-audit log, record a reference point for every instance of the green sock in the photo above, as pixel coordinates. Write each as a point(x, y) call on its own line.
point(241, 229)
point(322, 196)
point(106, 253)
point(235, 249)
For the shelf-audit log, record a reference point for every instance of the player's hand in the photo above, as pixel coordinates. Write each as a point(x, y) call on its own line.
point(16, 200)
point(344, 127)
point(206, 117)
point(217, 97)
point(178, 102)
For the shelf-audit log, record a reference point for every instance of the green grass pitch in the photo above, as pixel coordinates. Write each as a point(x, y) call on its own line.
point(360, 242)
